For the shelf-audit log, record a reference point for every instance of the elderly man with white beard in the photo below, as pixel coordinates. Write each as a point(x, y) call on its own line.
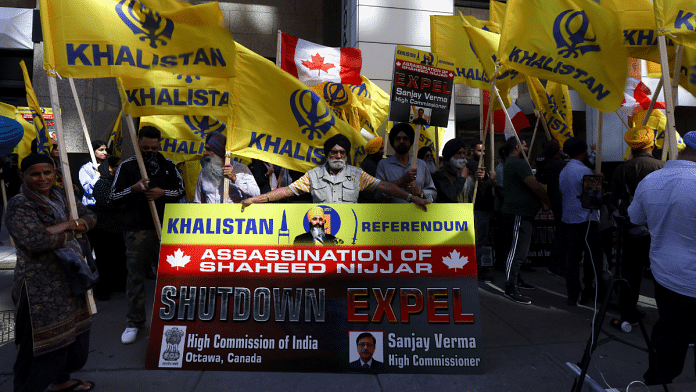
point(336, 181)
point(209, 188)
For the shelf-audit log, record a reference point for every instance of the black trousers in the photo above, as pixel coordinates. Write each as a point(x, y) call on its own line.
point(635, 257)
point(110, 251)
point(36, 373)
point(575, 235)
point(671, 335)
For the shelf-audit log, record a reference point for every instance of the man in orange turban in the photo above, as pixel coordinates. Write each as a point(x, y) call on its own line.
point(636, 242)
point(316, 235)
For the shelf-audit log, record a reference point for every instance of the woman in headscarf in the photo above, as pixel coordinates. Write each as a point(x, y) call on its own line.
point(52, 323)
point(88, 173)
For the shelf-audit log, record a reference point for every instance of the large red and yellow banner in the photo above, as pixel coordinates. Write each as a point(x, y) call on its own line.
point(254, 291)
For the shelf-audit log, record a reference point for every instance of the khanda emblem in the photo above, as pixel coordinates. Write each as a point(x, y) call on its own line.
point(144, 22)
point(570, 30)
point(335, 94)
point(40, 126)
point(187, 78)
point(361, 91)
point(311, 113)
point(202, 125)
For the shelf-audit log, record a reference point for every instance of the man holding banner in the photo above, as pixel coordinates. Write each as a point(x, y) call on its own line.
point(397, 168)
point(336, 181)
point(163, 185)
point(210, 185)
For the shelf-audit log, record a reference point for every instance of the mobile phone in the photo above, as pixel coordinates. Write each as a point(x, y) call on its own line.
point(591, 196)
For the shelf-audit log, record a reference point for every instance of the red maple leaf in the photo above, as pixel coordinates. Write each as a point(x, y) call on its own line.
point(317, 63)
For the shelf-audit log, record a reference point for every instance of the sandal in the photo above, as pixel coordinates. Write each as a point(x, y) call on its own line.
point(75, 385)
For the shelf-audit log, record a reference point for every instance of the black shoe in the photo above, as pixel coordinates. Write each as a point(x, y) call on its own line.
point(522, 285)
point(484, 277)
point(527, 267)
point(514, 295)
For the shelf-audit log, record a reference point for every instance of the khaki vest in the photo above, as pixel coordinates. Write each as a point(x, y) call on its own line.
point(343, 187)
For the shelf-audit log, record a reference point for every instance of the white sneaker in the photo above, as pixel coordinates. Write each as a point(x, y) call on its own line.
point(129, 335)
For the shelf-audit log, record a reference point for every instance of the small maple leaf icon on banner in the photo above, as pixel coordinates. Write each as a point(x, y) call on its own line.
point(178, 259)
point(454, 261)
point(317, 63)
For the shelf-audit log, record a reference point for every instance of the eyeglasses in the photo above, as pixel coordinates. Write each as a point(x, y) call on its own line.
point(365, 345)
point(334, 153)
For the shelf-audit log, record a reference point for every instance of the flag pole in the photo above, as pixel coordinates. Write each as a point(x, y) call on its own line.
point(437, 143)
point(624, 121)
point(65, 167)
point(489, 123)
point(509, 121)
point(653, 101)
point(84, 124)
point(600, 126)
point(669, 102)
point(143, 172)
point(542, 116)
point(4, 200)
point(536, 126)
point(414, 149)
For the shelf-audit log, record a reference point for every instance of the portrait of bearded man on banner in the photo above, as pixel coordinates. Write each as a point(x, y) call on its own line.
point(317, 234)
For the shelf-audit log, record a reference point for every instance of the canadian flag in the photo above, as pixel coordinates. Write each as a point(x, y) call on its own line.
point(314, 64)
point(500, 124)
point(637, 97)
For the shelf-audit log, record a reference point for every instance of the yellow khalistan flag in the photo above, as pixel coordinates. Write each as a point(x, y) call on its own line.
point(678, 19)
point(116, 137)
point(183, 137)
point(553, 101)
point(573, 42)
point(448, 38)
point(276, 118)
point(163, 92)
point(496, 12)
point(44, 143)
point(364, 106)
point(637, 20)
point(105, 38)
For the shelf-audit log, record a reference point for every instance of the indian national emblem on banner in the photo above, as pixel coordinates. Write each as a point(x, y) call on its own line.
point(172, 346)
point(570, 30)
point(154, 28)
point(312, 114)
point(201, 125)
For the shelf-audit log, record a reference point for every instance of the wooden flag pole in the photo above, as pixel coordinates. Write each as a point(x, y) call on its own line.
point(653, 101)
point(226, 183)
point(414, 149)
point(541, 115)
point(600, 126)
point(624, 121)
point(536, 126)
point(84, 124)
point(436, 155)
point(509, 121)
point(65, 167)
point(143, 172)
point(670, 140)
point(4, 200)
point(489, 124)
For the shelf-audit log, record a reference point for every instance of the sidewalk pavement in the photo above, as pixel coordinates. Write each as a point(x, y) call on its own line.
point(525, 349)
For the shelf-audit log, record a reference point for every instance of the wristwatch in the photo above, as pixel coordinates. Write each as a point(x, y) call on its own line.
point(408, 198)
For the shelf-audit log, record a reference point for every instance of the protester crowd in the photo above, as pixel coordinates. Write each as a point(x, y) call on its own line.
point(116, 200)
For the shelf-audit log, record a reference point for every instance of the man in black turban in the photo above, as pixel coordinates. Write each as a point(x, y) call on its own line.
point(335, 181)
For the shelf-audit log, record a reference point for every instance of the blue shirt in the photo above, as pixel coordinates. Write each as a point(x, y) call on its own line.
point(570, 185)
point(665, 200)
